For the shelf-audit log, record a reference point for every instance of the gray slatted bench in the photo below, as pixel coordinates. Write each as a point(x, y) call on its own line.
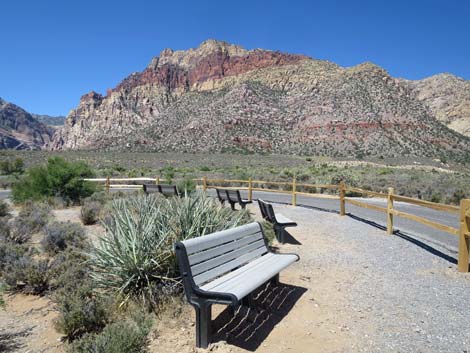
point(278, 221)
point(224, 268)
point(234, 197)
point(167, 190)
point(151, 188)
point(221, 195)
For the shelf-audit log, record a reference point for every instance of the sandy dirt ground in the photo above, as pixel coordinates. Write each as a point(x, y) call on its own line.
point(310, 311)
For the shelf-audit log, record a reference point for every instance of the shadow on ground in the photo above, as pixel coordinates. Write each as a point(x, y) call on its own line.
point(250, 326)
point(408, 237)
point(11, 341)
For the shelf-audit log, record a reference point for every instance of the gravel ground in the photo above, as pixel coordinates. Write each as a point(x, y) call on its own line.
point(397, 296)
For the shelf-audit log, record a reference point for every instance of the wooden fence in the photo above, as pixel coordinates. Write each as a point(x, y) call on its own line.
point(341, 191)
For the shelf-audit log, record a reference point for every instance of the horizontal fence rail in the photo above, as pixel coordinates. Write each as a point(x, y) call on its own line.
point(292, 188)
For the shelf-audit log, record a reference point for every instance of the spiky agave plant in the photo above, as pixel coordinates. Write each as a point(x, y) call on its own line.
point(135, 257)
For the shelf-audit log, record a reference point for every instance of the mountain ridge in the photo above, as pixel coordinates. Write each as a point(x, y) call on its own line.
point(20, 130)
point(222, 97)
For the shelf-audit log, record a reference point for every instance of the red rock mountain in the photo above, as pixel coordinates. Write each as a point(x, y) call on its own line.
point(221, 97)
point(20, 130)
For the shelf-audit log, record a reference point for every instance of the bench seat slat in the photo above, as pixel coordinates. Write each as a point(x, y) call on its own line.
point(228, 266)
point(226, 257)
point(247, 278)
point(281, 219)
point(195, 245)
point(219, 250)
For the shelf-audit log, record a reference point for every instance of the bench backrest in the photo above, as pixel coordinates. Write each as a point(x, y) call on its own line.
point(221, 194)
point(213, 255)
point(168, 189)
point(233, 195)
point(267, 211)
point(150, 188)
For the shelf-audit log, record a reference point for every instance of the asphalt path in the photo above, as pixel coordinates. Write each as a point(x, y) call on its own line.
point(402, 226)
point(411, 230)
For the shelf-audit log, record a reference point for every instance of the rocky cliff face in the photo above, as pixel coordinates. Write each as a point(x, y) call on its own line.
point(220, 97)
point(20, 130)
point(448, 98)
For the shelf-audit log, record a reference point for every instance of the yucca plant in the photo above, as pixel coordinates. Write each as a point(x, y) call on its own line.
point(135, 257)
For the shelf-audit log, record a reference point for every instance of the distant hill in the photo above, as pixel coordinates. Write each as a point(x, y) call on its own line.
point(448, 98)
point(221, 97)
point(53, 121)
point(20, 130)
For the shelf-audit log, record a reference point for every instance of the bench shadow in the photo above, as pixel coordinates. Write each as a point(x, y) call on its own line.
point(409, 238)
point(289, 239)
point(250, 326)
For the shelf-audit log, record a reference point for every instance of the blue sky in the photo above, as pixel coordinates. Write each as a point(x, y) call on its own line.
point(52, 52)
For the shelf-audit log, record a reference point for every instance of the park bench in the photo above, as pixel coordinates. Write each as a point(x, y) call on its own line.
point(166, 190)
point(233, 197)
point(221, 195)
point(225, 268)
point(278, 221)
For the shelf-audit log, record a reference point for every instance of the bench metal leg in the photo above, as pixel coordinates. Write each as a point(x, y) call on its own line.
point(280, 234)
point(275, 280)
point(203, 325)
point(247, 301)
point(232, 205)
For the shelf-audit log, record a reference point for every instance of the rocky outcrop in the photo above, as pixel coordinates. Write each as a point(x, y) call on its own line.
point(220, 97)
point(20, 130)
point(448, 98)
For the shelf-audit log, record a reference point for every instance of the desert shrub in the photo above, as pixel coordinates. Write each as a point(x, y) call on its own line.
point(81, 311)
point(90, 212)
point(61, 235)
point(4, 208)
point(4, 230)
point(68, 270)
point(11, 167)
point(187, 185)
point(11, 253)
point(456, 197)
point(27, 275)
point(136, 258)
point(268, 231)
point(57, 178)
point(2, 290)
point(124, 336)
point(31, 219)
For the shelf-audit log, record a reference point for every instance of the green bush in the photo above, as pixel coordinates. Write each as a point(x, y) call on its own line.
point(57, 178)
point(90, 212)
point(268, 231)
point(124, 336)
point(61, 235)
point(31, 219)
point(81, 311)
point(187, 185)
point(136, 258)
point(11, 167)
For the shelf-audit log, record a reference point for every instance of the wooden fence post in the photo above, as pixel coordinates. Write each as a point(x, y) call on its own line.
point(204, 183)
point(157, 180)
point(250, 189)
point(389, 211)
point(342, 202)
point(294, 195)
point(107, 184)
point(464, 242)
